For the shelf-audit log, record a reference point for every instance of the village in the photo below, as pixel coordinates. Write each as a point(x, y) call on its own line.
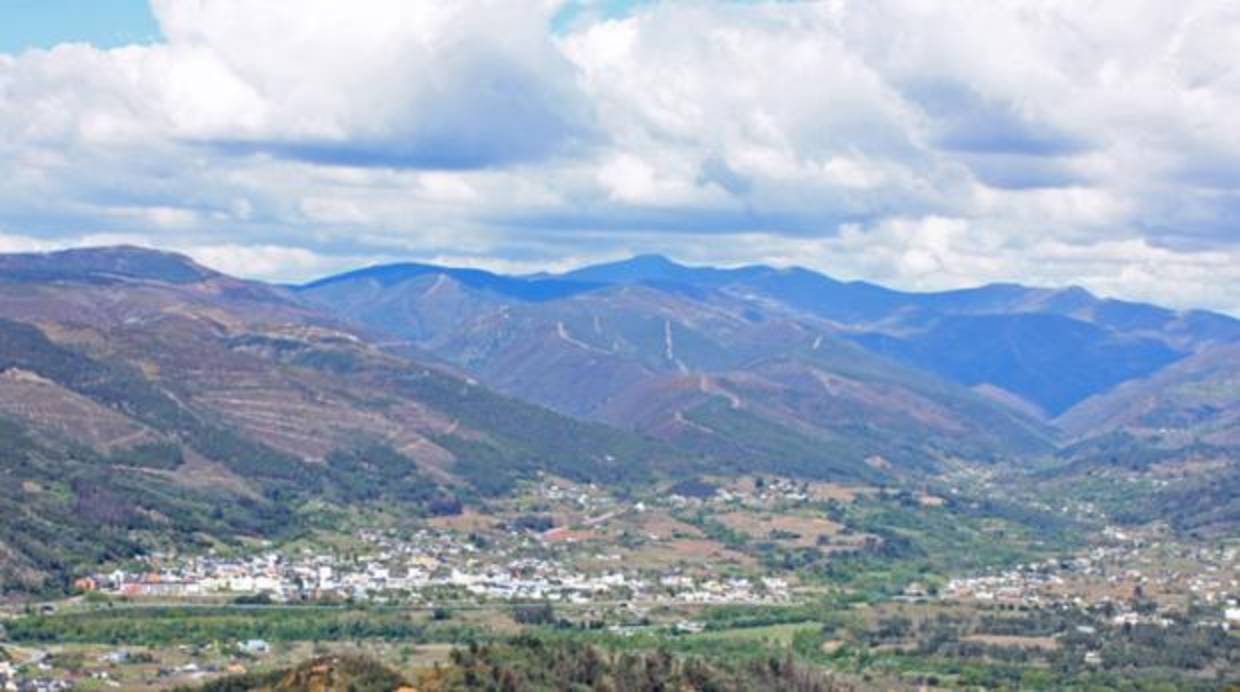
point(1136, 576)
point(418, 578)
point(428, 567)
point(628, 565)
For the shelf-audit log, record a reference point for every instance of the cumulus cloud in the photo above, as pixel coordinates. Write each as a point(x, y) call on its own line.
point(387, 83)
point(923, 145)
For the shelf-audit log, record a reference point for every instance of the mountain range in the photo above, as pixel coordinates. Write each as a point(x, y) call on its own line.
point(146, 400)
point(645, 324)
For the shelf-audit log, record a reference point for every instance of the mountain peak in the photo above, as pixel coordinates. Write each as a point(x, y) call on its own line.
point(638, 267)
point(385, 274)
point(651, 260)
point(651, 268)
point(104, 263)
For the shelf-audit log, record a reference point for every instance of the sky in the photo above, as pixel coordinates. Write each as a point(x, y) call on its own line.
point(103, 23)
point(920, 145)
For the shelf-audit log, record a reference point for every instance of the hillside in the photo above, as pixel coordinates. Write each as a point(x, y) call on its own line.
point(1052, 348)
point(1173, 437)
point(1036, 351)
point(148, 400)
point(1194, 400)
point(757, 386)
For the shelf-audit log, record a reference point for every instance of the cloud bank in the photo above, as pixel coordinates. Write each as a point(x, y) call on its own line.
point(921, 145)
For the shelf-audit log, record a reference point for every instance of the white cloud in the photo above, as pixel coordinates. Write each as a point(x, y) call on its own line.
point(273, 262)
point(20, 243)
point(389, 82)
point(926, 145)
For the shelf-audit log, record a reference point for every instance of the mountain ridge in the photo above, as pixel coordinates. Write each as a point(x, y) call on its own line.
point(144, 392)
point(945, 332)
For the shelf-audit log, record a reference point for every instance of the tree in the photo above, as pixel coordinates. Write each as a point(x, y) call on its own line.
point(541, 614)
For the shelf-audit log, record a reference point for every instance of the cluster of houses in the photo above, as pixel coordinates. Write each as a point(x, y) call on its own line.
point(1017, 586)
point(1122, 568)
point(762, 494)
point(38, 675)
point(431, 566)
point(427, 567)
point(12, 681)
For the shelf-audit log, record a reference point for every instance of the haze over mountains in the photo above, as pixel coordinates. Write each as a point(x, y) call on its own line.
point(145, 398)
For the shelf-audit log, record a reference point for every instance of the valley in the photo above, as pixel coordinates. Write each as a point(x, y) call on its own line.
point(208, 477)
point(876, 584)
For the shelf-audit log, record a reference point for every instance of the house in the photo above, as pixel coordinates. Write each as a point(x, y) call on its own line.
point(254, 647)
point(119, 656)
point(1232, 615)
point(1126, 619)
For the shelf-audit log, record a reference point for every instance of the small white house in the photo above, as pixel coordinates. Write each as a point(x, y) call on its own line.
point(254, 647)
point(1232, 615)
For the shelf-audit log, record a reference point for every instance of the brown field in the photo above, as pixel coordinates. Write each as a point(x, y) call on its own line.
point(469, 520)
point(563, 534)
point(837, 492)
point(760, 526)
point(663, 526)
point(1014, 641)
point(693, 553)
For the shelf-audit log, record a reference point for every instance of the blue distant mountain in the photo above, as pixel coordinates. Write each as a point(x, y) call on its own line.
point(1051, 347)
point(1050, 360)
point(635, 341)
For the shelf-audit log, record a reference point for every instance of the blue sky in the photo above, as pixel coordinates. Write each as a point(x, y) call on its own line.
point(572, 13)
point(45, 23)
point(870, 139)
point(113, 23)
